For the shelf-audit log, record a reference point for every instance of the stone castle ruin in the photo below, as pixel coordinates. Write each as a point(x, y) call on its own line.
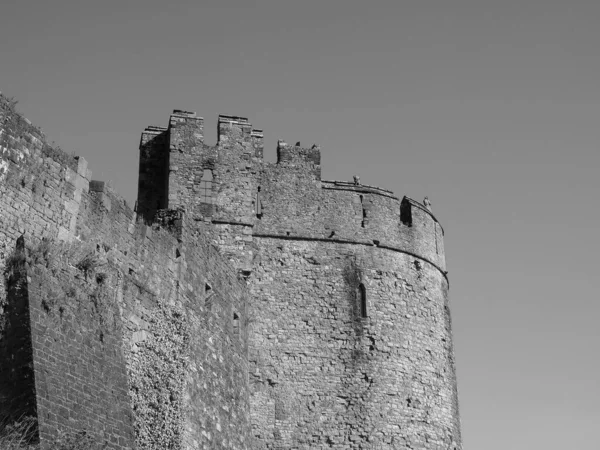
point(241, 304)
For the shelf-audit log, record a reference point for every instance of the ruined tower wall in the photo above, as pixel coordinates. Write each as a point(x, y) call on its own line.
point(79, 369)
point(322, 375)
point(180, 325)
point(338, 292)
point(40, 191)
point(226, 210)
point(296, 201)
point(40, 186)
point(187, 361)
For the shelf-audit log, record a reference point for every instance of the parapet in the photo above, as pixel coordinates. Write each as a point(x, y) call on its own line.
point(169, 287)
point(186, 129)
point(293, 199)
point(296, 154)
point(233, 129)
point(257, 142)
point(345, 212)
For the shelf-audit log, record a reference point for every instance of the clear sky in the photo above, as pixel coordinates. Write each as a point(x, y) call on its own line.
point(491, 108)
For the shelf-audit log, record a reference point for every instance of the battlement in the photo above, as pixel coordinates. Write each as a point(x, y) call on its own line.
point(293, 153)
point(343, 282)
point(114, 304)
point(296, 154)
point(232, 129)
point(257, 137)
point(287, 198)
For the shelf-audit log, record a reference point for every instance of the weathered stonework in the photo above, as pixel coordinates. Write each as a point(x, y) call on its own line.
point(265, 309)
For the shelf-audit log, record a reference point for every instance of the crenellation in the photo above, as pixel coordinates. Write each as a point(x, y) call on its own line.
point(257, 142)
point(234, 131)
point(243, 304)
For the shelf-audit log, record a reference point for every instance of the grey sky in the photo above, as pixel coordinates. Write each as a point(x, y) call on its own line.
point(491, 108)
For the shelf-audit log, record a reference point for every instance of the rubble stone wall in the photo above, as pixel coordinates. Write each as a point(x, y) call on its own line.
point(171, 362)
point(322, 375)
point(269, 309)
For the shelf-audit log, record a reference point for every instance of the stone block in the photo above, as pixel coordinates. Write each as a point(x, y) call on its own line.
point(82, 165)
point(105, 201)
point(82, 183)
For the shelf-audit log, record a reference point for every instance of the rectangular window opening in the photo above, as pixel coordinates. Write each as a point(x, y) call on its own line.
point(206, 187)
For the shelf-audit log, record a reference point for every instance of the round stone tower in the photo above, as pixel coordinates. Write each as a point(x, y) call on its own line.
point(350, 342)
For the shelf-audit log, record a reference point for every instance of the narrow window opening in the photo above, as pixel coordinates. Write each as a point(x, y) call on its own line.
point(363, 300)
point(236, 325)
point(206, 186)
point(207, 296)
point(406, 213)
point(364, 212)
point(259, 211)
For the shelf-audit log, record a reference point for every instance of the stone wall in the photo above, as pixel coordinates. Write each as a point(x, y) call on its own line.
point(169, 352)
point(17, 382)
point(40, 186)
point(322, 375)
point(79, 369)
point(274, 310)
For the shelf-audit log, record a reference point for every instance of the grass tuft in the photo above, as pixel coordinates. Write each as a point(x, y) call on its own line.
point(20, 435)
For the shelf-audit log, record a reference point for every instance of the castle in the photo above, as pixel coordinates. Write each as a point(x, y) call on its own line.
point(241, 304)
